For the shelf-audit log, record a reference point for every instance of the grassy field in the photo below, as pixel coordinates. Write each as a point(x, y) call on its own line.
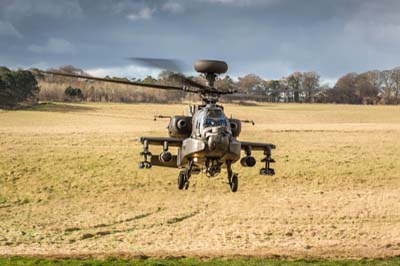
point(70, 187)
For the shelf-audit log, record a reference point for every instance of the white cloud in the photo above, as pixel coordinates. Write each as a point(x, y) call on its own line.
point(267, 69)
point(173, 7)
point(330, 81)
point(129, 71)
point(40, 65)
point(144, 14)
point(7, 29)
point(53, 46)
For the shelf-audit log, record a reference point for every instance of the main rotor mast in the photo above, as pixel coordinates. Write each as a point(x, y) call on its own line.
point(211, 69)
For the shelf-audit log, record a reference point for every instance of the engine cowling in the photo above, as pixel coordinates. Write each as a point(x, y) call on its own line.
point(180, 127)
point(236, 127)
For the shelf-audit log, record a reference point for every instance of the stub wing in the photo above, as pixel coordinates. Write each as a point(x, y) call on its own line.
point(248, 160)
point(257, 146)
point(156, 160)
point(171, 142)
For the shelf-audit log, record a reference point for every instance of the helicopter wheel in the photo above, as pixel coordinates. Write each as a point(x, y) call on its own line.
point(267, 171)
point(234, 182)
point(145, 164)
point(141, 165)
point(182, 180)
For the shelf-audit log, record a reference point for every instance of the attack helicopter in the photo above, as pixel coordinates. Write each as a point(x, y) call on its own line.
point(206, 139)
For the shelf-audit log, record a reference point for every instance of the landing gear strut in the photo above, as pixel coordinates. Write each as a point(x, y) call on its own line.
point(145, 153)
point(184, 176)
point(232, 177)
point(268, 160)
point(182, 179)
point(213, 168)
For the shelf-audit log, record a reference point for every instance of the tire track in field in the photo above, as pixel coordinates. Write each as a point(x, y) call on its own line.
point(71, 230)
point(170, 221)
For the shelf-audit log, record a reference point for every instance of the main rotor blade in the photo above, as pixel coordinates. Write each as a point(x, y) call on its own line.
point(173, 65)
point(155, 86)
point(230, 91)
point(219, 92)
point(161, 63)
point(187, 81)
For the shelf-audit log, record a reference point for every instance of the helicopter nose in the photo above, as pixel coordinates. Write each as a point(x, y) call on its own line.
point(221, 130)
point(218, 139)
point(212, 143)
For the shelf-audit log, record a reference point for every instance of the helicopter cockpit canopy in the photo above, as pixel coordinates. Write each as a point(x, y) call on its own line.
point(208, 118)
point(212, 122)
point(215, 118)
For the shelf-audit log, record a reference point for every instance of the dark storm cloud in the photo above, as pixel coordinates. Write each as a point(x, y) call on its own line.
point(271, 38)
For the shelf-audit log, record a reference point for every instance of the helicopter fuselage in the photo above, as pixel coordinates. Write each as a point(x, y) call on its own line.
point(211, 143)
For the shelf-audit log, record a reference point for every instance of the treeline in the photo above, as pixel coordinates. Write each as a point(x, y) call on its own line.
point(58, 88)
point(17, 86)
point(372, 87)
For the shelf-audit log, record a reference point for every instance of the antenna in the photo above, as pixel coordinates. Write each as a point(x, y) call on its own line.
point(161, 116)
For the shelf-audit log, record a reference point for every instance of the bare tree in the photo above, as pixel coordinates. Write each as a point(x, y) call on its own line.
point(273, 90)
point(388, 86)
point(310, 85)
point(395, 76)
point(294, 82)
point(225, 83)
point(249, 83)
point(366, 89)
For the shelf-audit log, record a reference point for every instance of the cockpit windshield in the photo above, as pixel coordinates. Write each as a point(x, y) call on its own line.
point(215, 118)
point(208, 118)
point(213, 122)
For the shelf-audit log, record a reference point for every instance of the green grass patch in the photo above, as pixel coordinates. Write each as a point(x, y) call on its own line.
point(3, 200)
point(188, 261)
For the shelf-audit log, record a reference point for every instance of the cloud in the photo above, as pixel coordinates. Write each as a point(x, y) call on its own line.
point(270, 38)
point(7, 29)
point(53, 46)
point(330, 81)
point(242, 2)
point(39, 64)
point(123, 71)
point(230, 1)
point(173, 7)
point(17, 9)
point(372, 28)
point(268, 69)
point(144, 14)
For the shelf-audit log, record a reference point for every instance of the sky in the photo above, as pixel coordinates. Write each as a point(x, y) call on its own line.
point(269, 38)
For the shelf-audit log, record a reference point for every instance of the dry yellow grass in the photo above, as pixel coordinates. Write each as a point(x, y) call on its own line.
point(69, 184)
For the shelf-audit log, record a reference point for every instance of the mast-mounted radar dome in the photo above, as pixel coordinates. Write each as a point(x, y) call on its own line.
point(211, 66)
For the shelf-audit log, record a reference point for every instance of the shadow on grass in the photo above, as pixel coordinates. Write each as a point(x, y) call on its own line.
point(58, 107)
